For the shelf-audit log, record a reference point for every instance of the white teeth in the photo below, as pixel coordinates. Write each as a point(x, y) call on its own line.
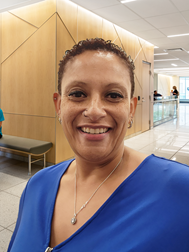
point(94, 131)
point(87, 130)
point(101, 130)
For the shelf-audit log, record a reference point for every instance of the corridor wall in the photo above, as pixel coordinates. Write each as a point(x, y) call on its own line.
point(34, 39)
point(164, 84)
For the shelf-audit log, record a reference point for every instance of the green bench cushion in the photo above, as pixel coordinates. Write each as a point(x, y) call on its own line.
point(25, 144)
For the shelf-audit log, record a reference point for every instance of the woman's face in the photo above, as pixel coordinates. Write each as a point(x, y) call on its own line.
point(97, 85)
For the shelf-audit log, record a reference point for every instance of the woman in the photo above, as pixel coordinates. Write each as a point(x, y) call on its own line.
point(175, 92)
point(110, 197)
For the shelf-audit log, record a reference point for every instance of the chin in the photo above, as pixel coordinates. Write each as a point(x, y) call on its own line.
point(94, 157)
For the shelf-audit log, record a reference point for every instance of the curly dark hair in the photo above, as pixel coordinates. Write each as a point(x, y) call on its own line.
point(97, 44)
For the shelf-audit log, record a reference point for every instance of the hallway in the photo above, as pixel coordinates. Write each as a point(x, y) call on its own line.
point(169, 140)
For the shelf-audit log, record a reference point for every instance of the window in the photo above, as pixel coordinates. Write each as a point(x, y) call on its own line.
point(184, 88)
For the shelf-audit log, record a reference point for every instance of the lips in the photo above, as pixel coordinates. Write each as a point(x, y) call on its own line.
point(93, 131)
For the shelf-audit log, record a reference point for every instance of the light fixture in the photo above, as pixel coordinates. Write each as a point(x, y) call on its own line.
point(171, 69)
point(127, 1)
point(174, 65)
point(156, 47)
point(178, 35)
point(166, 59)
point(160, 53)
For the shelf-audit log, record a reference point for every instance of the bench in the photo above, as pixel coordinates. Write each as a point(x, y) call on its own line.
point(31, 147)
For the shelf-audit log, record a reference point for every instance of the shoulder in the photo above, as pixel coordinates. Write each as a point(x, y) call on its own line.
point(167, 164)
point(49, 175)
point(174, 174)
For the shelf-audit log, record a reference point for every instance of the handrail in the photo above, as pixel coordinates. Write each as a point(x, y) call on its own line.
point(167, 100)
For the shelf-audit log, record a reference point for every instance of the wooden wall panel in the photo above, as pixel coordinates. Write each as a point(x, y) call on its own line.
point(63, 149)
point(109, 32)
point(64, 41)
point(138, 119)
point(129, 42)
point(34, 127)
point(36, 14)
point(16, 28)
point(89, 25)
point(28, 76)
point(68, 13)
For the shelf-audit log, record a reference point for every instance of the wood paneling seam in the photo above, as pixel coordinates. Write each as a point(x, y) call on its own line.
point(66, 27)
point(27, 39)
point(23, 20)
point(138, 81)
point(118, 37)
point(138, 54)
point(7, 113)
point(142, 50)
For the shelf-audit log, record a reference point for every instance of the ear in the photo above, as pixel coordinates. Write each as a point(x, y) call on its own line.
point(57, 102)
point(133, 104)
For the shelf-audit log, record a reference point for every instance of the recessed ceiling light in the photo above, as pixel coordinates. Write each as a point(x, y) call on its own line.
point(166, 59)
point(127, 1)
point(178, 35)
point(156, 47)
point(173, 64)
point(160, 53)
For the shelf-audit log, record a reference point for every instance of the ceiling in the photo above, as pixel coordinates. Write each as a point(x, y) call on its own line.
point(6, 5)
point(152, 20)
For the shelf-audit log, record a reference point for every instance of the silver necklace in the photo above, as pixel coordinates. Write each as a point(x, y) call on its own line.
point(74, 219)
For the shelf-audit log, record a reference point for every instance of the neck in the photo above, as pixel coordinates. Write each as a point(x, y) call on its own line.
point(99, 170)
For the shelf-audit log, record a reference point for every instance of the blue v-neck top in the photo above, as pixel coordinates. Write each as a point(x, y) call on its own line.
point(148, 212)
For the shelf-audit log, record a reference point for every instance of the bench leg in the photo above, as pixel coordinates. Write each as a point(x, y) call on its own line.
point(29, 164)
point(44, 160)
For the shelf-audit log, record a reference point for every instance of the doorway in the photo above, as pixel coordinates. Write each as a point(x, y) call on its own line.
point(146, 67)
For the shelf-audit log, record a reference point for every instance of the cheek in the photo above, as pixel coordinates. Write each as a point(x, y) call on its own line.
point(68, 115)
point(122, 113)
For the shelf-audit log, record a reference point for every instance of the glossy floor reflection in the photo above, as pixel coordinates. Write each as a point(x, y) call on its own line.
point(169, 140)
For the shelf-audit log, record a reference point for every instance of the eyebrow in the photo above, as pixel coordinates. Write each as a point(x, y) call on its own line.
point(81, 83)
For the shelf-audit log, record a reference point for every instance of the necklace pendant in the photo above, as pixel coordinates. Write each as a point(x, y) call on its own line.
point(73, 220)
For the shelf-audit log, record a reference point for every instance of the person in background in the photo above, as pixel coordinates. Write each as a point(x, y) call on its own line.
point(1, 120)
point(156, 95)
point(175, 92)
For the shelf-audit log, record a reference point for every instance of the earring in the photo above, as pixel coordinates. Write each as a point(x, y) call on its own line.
point(59, 119)
point(130, 123)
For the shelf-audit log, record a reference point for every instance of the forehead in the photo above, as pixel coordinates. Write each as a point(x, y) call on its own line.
point(97, 58)
point(96, 69)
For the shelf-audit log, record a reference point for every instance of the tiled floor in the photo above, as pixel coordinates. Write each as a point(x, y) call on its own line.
point(170, 140)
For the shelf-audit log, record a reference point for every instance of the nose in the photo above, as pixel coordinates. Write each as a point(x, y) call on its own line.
point(95, 109)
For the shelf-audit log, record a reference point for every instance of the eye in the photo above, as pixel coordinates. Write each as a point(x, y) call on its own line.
point(77, 94)
point(114, 95)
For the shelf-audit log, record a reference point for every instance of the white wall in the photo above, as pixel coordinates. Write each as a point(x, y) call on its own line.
point(164, 85)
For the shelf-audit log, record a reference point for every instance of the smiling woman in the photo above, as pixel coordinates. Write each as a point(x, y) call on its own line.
point(110, 197)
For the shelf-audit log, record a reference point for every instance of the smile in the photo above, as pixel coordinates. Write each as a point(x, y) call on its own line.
point(94, 131)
